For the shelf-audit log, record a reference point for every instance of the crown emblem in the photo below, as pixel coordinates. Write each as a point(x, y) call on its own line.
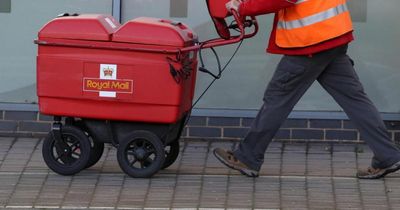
point(108, 72)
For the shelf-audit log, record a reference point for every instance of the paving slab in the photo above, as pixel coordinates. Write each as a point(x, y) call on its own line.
point(294, 176)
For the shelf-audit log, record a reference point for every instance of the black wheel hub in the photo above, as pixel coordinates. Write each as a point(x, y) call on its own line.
point(67, 151)
point(63, 149)
point(140, 153)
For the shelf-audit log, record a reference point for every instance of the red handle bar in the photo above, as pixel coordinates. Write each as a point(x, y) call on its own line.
point(235, 39)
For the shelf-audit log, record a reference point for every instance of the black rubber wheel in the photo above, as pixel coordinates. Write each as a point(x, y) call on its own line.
point(141, 154)
point(96, 151)
point(71, 155)
point(96, 147)
point(171, 153)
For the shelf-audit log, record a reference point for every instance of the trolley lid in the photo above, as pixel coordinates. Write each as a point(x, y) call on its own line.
point(154, 31)
point(81, 27)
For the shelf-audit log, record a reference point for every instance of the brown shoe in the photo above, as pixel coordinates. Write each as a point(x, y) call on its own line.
point(376, 173)
point(228, 159)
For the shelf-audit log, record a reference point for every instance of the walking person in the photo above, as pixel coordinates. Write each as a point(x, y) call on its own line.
point(313, 37)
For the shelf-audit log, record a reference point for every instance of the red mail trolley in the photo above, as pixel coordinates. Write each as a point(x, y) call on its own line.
point(130, 85)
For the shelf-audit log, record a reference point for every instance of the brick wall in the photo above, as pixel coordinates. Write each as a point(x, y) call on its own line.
point(30, 123)
point(291, 130)
point(24, 123)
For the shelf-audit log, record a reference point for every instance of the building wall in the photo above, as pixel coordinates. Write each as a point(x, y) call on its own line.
point(32, 123)
point(243, 83)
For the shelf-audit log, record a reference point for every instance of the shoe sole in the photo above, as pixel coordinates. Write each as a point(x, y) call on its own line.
point(246, 172)
point(395, 167)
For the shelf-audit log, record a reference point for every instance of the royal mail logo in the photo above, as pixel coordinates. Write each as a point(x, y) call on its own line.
point(98, 85)
point(107, 85)
point(108, 72)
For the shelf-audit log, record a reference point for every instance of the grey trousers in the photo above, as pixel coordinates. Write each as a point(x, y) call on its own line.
point(333, 69)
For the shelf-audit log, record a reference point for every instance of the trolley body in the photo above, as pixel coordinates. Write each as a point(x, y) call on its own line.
point(88, 67)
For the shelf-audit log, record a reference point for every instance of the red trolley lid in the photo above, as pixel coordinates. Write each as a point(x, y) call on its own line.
point(81, 27)
point(154, 31)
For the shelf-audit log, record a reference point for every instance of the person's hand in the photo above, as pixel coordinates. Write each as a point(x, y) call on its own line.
point(233, 5)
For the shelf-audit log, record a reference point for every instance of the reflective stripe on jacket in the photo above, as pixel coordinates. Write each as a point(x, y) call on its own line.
point(310, 22)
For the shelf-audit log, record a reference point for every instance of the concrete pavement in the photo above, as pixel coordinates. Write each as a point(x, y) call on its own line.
point(294, 176)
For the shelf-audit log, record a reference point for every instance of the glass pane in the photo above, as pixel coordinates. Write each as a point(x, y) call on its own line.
point(17, 51)
point(243, 83)
point(375, 54)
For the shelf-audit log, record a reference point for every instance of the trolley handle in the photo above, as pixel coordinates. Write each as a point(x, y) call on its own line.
point(240, 24)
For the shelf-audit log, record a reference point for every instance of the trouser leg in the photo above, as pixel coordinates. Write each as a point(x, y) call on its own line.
point(342, 82)
point(293, 76)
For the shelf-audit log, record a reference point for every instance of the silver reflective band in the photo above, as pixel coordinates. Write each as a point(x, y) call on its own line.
point(313, 18)
point(301, 1)
point(298, 2)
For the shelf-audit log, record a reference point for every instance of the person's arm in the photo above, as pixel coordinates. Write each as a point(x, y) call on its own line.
point(261, 7)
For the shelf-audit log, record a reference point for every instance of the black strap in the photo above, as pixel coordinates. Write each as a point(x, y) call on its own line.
point(202, 68)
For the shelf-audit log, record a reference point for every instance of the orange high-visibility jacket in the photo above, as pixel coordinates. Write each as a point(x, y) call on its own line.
point(311, 22)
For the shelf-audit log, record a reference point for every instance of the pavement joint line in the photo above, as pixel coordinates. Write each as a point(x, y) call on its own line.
point(211, 208)
point(266, 209)
point(74, 207)
point(239, 208)
point(206, 175)
point(124, 208)
point(19, 207)
point(46, 207)
point(101, 207)
point(149, 208)
point(193, 209)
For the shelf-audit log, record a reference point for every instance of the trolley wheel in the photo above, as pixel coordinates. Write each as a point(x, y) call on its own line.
point(70, 155)
point(96, 151)
point(96, 147)
point(141, 154)
point(171, 153)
